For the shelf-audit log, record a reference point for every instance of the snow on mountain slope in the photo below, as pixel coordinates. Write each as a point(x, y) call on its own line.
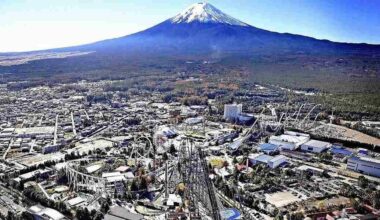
point(205, 13)
point(204, 29)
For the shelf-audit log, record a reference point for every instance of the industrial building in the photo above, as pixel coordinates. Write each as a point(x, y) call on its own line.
point(272, 162)
point(315, 146)
point(340, 151)
point(267, 148)
point(259, 158)
point(289, 140)
point(365, 165)
point(277, 161)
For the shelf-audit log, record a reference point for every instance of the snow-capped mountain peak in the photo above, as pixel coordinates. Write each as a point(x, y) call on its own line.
point(205, 13)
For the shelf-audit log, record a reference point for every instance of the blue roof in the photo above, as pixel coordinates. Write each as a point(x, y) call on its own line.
point(362, 151)
point(355, 158)
point(340, 150)
point(230, 214)
point(263, 158)
point(268, 147)
point(236, 144)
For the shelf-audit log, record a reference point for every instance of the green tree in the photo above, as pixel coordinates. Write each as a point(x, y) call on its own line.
point(376, 199)
point(363, 182)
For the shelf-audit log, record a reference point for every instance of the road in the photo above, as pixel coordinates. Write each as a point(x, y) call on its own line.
point(8, 149)
point(73, 123)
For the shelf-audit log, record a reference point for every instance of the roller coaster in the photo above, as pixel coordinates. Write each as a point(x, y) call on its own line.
point(294, 121)
point(195, 175)
point(285, 121)
point(141, 149)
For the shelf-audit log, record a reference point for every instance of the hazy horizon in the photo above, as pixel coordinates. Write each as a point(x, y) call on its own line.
point(41, 24)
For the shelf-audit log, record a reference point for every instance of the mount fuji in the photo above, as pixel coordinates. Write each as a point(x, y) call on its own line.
point(204, 29)
point(205, 13)
point(199, 32)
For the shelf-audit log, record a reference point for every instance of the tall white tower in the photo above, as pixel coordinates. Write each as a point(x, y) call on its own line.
point(232, 111)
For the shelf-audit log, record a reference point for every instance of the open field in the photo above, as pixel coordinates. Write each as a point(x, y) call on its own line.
point(281, 199)
point(345, 133)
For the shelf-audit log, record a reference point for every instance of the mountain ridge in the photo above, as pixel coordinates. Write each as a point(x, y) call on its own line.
point(202, 28)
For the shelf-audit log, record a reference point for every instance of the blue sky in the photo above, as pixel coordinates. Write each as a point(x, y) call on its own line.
point(41, 24)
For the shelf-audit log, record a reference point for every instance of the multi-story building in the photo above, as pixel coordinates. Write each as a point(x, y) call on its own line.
point(232, 111)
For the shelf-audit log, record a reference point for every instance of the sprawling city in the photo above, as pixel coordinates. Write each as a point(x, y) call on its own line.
point(187, 138)
point(85, 149)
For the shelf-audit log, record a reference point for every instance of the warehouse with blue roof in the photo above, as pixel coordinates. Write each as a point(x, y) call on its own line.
point(268, 148)
point(338, 150)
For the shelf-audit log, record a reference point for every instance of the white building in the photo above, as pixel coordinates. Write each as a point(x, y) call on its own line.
point(272, 162)
point(232, 111)
point(315, 146)
point(277, 161)
point(193, 121)
point(290, 140)
point(40, 212)
point(365, 165)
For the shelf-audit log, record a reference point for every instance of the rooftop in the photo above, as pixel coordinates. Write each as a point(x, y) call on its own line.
point(118, 212)
point(317, 144)
point(261, 158)
point(268, 147)
point(52, 214)
point(368, 159)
